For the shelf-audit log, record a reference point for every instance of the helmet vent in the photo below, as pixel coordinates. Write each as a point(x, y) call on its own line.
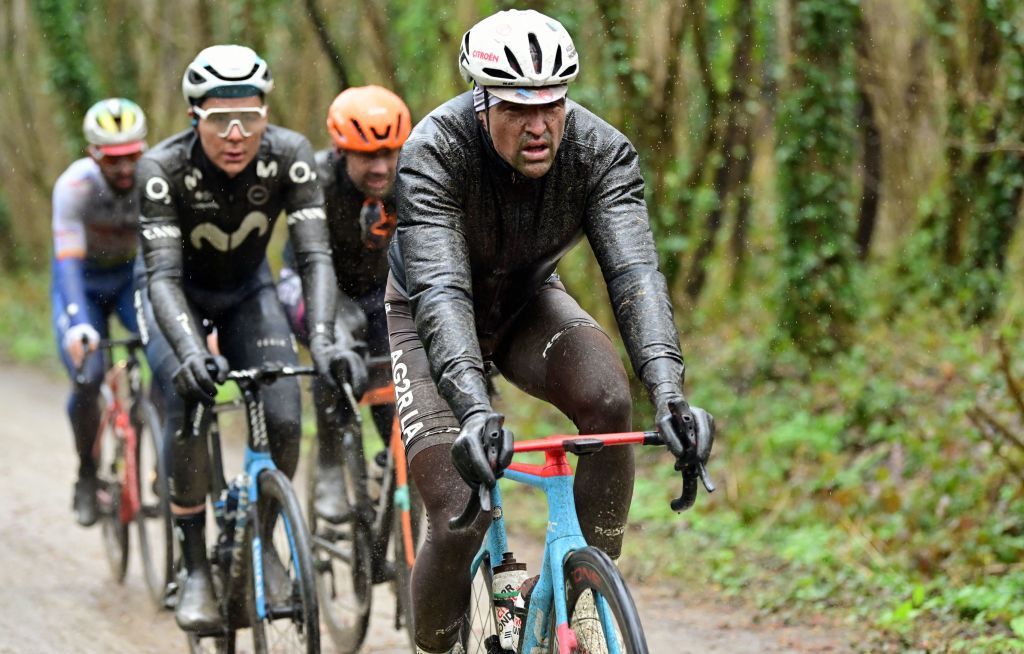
point(512, 61)
point(497, 72)
point(535, 52)
point(355, 123)
point(568, 71)
point(377, 135)
point(465, 42)
point(194, 77)
point(558, 60)
point(240, 78)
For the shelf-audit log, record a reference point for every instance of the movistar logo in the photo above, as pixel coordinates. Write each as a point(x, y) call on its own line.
point(255, 221)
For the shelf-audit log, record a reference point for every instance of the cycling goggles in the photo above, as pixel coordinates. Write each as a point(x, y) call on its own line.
point(223, 119)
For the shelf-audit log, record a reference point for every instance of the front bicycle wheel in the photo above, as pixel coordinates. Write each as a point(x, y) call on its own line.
point(342, 555)
point(479, 628)
point(601, 611)
point(110, 471)
point(156, 537)
point(290, 620)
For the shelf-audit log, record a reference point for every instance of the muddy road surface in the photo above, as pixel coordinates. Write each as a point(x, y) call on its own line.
point(58, 595)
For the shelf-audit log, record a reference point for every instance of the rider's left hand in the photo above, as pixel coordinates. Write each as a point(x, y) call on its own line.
point(685, 427)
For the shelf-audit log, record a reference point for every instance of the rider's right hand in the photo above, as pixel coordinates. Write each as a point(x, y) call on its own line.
point(337, 364)
point(197, 377)
point(76, 341)
point(349, 366)
point(483, 449)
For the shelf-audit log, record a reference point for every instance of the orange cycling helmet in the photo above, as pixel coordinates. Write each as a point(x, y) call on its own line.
point(368, 118)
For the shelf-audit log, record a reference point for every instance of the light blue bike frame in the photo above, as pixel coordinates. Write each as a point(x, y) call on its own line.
point(564, 536)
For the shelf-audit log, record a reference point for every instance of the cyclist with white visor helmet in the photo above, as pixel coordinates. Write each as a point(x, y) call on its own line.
point(494, 187)
point(95, 219)
point(211, 196)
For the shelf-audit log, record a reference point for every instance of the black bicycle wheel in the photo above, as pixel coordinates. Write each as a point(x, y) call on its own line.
point(479, 628)
point(292, 623)
point(342, 555)
point(156, 536)
point(590, 575)
point(403, 534)
point(110, 468)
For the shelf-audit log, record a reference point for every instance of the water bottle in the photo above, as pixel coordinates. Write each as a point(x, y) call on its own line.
point(508, 606)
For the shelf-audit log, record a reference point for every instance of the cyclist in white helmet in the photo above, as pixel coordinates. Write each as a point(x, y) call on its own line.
point(211, 196)
point(95, 218)
point(494, 187)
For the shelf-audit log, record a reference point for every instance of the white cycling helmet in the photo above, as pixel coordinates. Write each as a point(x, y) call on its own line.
point(226, 71)
point(519, 56)
point(115, 126)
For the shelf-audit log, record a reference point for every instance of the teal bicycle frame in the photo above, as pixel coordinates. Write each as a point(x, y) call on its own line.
point(555, 478)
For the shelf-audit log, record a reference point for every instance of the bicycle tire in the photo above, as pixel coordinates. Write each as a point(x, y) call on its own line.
point(342, 556)
point(479, 625)
point(403, 534)
point(590, 573)
point(153, 520)
point(110, 467)
point(291, 625)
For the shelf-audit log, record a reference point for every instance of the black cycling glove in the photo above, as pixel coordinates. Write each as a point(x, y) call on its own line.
point(685, 427)
point(483, 449)
point(337, 364)
point(197, 377)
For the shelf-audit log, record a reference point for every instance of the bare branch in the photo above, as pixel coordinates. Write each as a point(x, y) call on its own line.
point(997, 425)
point(985, 430)
point(330, 48)
point(1011, 381)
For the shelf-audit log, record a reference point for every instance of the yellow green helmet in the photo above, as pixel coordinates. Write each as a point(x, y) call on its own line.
point(116, 126)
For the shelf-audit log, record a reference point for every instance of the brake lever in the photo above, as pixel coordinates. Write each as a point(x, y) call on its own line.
point(352, 402)
point(691, 468)
point(479, 500)
point(80, 369)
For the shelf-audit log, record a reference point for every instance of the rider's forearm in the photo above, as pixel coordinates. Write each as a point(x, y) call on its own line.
point(161, 253)
point(70, 281)
point(174, 319)
point(308, 230)
point(644, 315)
point(445, 324)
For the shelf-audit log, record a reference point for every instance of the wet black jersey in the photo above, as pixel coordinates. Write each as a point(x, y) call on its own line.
point(360, 228)
point(476, 240)
point(205, 232)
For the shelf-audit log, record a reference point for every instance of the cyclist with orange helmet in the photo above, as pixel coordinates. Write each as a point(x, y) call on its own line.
point(368, 125)
point(95, 217)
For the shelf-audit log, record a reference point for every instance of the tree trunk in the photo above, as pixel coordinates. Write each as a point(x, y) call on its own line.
point(327, 43)
point(815, 144)
point(871, 176)
point(734, 153)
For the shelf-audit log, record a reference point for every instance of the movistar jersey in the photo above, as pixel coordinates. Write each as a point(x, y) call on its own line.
point(202, 230)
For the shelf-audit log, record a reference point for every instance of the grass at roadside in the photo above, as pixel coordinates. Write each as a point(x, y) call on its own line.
point(25, 329)
point(855, 486)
